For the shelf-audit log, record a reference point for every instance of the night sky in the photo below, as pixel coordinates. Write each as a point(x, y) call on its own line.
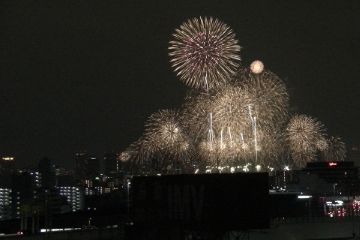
point(85, 75)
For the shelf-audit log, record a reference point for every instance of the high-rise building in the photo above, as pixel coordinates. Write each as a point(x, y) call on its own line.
point(53, 202)
point(74, 196)
point(81, 159)
point(68, 188)
point(93, 167)
point(86, 166)
point(23, 189)
point(6, 195)
point(47, 170)
point(5, 203)
point(110, 163)
point(36, 178)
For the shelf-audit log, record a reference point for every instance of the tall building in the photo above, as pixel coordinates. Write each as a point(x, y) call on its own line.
point(93, 167)
point(47, 171)
point(36, 178)
point(74, 196)
point(80, 165)
point(6, 207)
point(23, 189)
point(53, 202)
point(110, 163)
point(68, 188)
point(86, 166)
point(5, 203)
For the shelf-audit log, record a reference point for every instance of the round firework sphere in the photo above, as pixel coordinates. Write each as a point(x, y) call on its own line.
point(257, 67)
point(204, 53)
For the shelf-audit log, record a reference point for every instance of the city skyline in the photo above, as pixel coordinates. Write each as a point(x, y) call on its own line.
point(86, 77)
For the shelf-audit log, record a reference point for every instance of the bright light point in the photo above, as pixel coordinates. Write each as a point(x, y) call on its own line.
point(286, 168)
point(304, 196)
point(258, 168)
point(232, 169)
point(332, 164)
point(336, 203)
point(257, 67)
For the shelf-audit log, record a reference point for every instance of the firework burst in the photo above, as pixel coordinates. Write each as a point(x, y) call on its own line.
point(137, 156)
point(336, 150)
point(165, 135)
point(303, 135)
point(230, 108)
point(204, 52)
point(232, 116)
point(268, 94)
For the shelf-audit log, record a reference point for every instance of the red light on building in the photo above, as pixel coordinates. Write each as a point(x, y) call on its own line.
point(332, 164)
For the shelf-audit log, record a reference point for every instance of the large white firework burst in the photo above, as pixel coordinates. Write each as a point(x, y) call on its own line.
point(204, 52)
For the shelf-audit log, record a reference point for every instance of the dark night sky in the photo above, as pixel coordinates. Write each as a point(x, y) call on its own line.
point(84, 75)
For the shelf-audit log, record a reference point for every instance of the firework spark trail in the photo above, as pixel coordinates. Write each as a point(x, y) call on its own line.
point(303, 135)
point(194, 116)
point(204, 52)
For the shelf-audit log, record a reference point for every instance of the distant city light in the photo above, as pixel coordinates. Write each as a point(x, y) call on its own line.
point(304, 196)
point(8, 158)
point(335, 203)
point(332, 164)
